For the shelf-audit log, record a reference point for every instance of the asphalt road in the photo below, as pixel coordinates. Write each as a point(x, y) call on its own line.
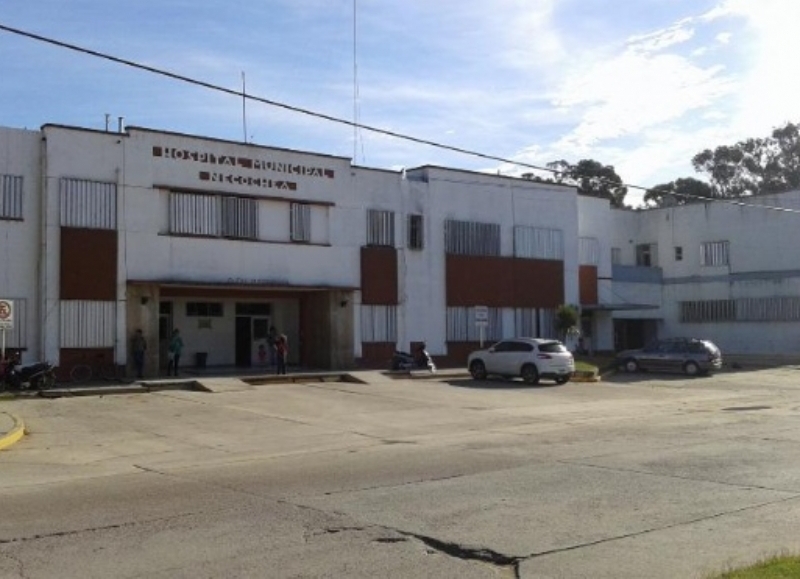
point(639, 476)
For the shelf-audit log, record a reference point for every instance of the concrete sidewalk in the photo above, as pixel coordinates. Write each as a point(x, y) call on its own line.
point(11, 429)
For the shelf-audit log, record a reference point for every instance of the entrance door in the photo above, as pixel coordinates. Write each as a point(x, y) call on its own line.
point(244, 340)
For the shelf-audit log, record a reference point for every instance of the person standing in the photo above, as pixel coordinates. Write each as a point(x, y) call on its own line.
point(174, 352)
point(272, 344)
point(281, 351)
point(138, 347)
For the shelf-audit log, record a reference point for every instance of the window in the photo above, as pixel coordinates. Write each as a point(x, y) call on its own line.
point(471, 238)
point(203, 309)
point(378, 324)
point(88, 204)
point(588, 251)
point(213, 215)
point(461, 326)
point(646, 255)
point(616, 256)
point(538, 242)
point(708, 311)
point(10, 197)
point(415, 239)
point(678, 253)
point(253, 309)
point(714, 253)
point(380, 227)
point(300, 225)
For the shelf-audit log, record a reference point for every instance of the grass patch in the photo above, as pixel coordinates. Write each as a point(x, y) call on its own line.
point(779, 567)
point(581, 366)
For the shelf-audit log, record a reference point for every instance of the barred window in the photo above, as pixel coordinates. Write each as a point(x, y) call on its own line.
point(88, 204)
point(706, 311)
point(588, 251)
point(10, 197)
point(714, 253)
point(415, 238)
point(204, 309)
point(380, 227)
point(471, 238)
point(239, 217)
point(616, 256)
point(538, 242)
point(378, 324)
point(461, 326)
point(771, 309)
point(678, 253)
point(213, 215)
point(300, 222)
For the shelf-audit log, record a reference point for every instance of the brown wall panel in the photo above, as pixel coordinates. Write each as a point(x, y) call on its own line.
point(587, 274)
point(88, 264)
point(376, 355)
point(504, 282)
point(379, 276)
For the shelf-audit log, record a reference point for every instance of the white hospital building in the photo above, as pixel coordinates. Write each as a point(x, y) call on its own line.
point(103, 233)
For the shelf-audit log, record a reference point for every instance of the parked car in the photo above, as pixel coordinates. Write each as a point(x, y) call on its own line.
point(691, 356)
point(529, 358)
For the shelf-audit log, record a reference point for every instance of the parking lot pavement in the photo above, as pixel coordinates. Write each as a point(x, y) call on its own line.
point(638, 475)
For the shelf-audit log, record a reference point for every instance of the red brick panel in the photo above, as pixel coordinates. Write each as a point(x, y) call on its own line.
point(88, 264)
point(587, 275)
point(377, 355)
point(379, 276)
point(504, 282)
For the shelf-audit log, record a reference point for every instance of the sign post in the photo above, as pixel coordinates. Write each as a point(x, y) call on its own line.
point(6, 323)
point(482, 320)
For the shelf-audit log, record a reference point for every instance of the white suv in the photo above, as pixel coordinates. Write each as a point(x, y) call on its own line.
point(530, 358)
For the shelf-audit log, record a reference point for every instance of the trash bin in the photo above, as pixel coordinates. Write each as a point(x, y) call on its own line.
point(200, 359)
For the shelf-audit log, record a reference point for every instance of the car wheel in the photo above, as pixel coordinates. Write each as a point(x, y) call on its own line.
point(530, 374)
point(631, 365)
point(478, 370)
point(562, 380)
point(691, 368)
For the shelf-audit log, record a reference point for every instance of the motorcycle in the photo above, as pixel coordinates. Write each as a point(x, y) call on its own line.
point(37, 376)
point(420, 360)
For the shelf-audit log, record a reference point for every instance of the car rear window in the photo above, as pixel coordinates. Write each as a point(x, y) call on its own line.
point(552, 347)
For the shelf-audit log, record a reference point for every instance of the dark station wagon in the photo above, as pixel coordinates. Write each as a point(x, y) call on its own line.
point(692, 356)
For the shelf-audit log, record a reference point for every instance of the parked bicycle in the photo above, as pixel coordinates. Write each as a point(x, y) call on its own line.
point(98, 369)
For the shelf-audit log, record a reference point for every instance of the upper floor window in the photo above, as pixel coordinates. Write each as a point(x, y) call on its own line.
point(538, 242)
point(471, 238)
point(588, 251)
point(715, 253)
point(10, 196)
point(679, 253)
point(415, 238)
point(380, 227)
point(87, 204)
point(646, 255)
point(300, 225)
point(213, 215)
point(204, 309)
point(616, 256)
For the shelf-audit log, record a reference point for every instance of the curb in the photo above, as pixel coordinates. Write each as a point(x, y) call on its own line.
point(14, 434)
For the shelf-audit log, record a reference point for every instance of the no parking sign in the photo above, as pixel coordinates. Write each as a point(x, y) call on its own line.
point(6, 315)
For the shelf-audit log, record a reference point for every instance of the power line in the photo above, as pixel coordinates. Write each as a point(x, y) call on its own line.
point(354, 123)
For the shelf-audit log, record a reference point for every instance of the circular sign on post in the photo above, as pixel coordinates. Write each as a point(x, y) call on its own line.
point(6, 314)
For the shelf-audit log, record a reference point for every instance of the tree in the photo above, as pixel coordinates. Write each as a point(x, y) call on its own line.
point(592, 179)
point(754, 166)
point(566, 321)
point(679, 192)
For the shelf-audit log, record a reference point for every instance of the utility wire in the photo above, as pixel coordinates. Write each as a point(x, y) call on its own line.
point(354, 124)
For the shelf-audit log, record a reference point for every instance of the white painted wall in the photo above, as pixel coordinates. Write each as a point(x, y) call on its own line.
point(20, 154)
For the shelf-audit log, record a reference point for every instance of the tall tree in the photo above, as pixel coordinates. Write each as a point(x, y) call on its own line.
point(679, 192)
point(592, 179)
point(754, 166)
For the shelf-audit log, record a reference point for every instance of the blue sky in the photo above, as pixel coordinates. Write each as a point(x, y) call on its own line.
point(639, 84)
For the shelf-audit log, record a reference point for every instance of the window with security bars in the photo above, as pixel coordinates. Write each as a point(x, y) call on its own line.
point(616, 256)
point(378, 324)
point(715, 253)
point(764, 309)
point(10, 196)
point(461, 326)
point(471, 238)
point(213, 215)
point(538, 242)
point(380, 227)
point(300, 225)
point(589, 250)
point(415, 238)
point(87, 204)
point(646, 255)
